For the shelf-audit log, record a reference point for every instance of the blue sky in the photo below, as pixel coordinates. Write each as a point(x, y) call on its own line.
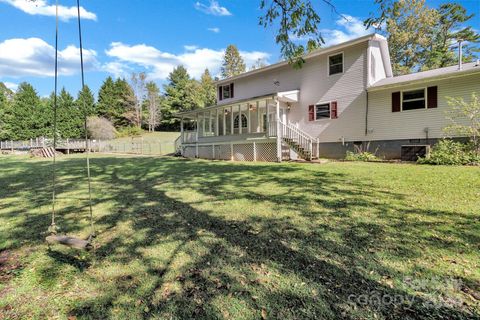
point(150, 35)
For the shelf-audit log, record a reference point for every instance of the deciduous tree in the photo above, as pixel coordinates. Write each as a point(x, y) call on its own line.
point(153, 102)
point(294, 19)
point(464, 117)
point(138, 84)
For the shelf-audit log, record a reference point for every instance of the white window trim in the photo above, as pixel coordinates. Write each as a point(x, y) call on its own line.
point(425, 93)
point(328, 64)
point(240, 122)
point(329, 110)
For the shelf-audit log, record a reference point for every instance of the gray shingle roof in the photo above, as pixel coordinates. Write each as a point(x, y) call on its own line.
point(467, 68)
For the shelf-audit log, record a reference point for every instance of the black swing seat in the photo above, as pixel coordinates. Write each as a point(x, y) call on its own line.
point(71, 242)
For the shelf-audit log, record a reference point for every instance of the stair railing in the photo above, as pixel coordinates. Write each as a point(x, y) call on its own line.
point(302, 139)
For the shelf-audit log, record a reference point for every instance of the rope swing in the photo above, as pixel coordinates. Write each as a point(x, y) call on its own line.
point(53, 238)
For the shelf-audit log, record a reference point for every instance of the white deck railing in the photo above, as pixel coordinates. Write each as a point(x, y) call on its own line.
point(302, 139)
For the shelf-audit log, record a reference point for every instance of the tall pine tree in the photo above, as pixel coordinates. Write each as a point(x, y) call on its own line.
point(69, 117)
point(116, 102)
point(107, 101)
point(450, 27)
point(207, 89)
point(420, 37)
point(4, 130)
point(125, 103)
point(233, 63)
point(86, 102)
point(25, 115)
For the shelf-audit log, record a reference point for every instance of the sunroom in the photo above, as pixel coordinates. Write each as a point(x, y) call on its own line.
point(244, 130)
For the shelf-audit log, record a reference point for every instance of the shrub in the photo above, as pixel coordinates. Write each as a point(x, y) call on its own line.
point(361, 156)
point(361, 153)
point(449, 152)
point(100, 128)
point(129, 132)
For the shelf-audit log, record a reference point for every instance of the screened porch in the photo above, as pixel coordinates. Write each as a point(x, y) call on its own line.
point(255, 117)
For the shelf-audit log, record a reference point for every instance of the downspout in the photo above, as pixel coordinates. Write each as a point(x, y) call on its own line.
point(366, 114)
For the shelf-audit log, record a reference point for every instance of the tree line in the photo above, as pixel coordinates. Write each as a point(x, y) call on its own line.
point(420, 37)
point(128, 105)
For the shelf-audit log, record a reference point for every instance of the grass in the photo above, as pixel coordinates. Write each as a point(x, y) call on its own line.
point(189, 239)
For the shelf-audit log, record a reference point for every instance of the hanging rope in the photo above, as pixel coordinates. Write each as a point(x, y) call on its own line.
point(85, 114)
point(53, 228)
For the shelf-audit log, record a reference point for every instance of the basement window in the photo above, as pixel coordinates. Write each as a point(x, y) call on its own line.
point(413, 99)
point(335, 64)
point(322, 111)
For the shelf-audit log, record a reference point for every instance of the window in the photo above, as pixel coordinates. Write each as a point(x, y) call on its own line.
point(322, 111)
point(226, 92)
point(335, 64)
point(244, 121)
point(413, 99)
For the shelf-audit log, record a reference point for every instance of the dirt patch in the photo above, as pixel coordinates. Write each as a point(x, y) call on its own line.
point(9, 264)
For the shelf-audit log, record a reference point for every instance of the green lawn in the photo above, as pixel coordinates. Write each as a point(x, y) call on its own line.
point(198, 239)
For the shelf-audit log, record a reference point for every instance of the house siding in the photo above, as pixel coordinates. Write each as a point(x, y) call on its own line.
point(383, 124)
point(316, 86)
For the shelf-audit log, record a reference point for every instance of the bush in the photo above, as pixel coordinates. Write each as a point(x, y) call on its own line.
point(449, 152)
point(361, 156)
point(100, 128)
point(129, 132)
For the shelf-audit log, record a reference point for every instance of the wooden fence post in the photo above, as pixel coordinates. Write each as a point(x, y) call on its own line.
point(11, 141)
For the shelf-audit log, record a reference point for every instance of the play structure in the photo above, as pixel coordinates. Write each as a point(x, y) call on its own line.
point(54, 237)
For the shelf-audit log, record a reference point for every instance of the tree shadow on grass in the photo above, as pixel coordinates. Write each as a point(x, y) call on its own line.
point(214, 265)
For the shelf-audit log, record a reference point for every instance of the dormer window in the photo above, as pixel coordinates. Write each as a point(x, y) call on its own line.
point(225, 91)
point(335, 64)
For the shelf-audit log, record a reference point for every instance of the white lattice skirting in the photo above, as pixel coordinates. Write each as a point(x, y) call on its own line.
point(258, 151)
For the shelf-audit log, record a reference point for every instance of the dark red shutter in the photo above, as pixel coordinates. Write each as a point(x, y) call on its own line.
point(432, 100)
point(231, 90)
point(333, 110)
point(311, 112)
point(220, 93)
point(396, 101)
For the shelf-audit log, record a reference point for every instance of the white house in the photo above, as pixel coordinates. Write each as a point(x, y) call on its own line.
point(344, 95)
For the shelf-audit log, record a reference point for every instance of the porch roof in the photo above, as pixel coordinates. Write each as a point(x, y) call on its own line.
point(284, 96)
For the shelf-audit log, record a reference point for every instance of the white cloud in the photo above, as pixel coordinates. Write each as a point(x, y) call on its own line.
point(214, 8)
point(214, 30)
point(117, 69)
point(349, 28)
point(190, 47)
point(10, 85)
point(34, 57)
point(159, 64)
point(40, 7)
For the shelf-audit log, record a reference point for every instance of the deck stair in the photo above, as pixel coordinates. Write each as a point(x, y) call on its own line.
point(299, 141)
